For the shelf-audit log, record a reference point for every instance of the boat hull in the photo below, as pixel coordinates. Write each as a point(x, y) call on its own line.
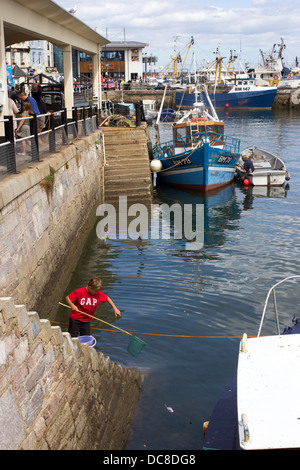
point(270, 170)
point(235, 99)
point(265, 178)
point(205, 169)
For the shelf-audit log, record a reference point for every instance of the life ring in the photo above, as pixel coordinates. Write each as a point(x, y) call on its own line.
point(275, 77)
point(289, 75)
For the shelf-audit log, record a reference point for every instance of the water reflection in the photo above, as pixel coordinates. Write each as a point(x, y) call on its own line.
point(251, 240)
point(221, 210)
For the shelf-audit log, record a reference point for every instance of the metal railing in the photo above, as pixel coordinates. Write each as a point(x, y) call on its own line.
point(273, 292)
point(48, 133)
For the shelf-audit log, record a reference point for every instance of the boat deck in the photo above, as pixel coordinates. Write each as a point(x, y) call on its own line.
point(268, 392)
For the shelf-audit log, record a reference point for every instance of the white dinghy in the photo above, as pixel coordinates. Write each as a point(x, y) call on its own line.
point(269, 169)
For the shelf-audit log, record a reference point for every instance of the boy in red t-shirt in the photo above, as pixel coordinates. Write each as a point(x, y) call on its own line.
point(86, 299)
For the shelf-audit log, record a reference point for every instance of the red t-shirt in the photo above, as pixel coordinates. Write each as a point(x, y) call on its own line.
point(85, 302)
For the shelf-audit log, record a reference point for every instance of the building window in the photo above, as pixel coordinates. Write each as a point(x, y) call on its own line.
point(84, 57)
point(112, 55)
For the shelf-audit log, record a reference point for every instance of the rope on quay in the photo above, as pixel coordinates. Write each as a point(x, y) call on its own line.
point(162, 334)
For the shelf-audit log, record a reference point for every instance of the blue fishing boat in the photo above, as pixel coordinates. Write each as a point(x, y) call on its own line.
point(258, 409)
point(200, 156)
point(234, 94)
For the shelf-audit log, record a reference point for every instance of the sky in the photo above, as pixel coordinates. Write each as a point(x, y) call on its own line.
point(244, 26)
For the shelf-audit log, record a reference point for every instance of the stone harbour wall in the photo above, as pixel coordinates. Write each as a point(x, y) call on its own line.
point(287, 98)
point(46, 213)
point(56, 393)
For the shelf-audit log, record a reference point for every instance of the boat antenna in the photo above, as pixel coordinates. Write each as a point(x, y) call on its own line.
point(156, 126)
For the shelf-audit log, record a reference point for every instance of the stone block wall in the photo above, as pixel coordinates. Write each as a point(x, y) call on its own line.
point(46, 213)
point(287, 98)
point(56, 393)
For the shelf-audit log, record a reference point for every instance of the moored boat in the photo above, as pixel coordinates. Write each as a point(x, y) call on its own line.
point(270, 70)
point(168, 115)
point(200, 156)
point(234, 94)
point(149, 110)
point(270, 170)
point(259, 408)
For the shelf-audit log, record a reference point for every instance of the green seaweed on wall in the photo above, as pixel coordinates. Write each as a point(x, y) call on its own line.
point(48, 183)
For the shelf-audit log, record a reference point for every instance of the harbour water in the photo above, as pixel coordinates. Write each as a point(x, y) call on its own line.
point(192, 306)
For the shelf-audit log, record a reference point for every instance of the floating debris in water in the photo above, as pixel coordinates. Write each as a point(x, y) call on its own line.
point(170, 410)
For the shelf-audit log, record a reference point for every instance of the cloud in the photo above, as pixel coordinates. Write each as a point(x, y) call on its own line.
point(259, 2)
point(256, 25)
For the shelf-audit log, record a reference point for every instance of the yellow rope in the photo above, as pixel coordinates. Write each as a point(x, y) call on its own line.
point(162, 334)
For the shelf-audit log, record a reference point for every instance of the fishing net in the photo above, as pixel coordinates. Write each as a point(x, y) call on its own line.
point(135, 345)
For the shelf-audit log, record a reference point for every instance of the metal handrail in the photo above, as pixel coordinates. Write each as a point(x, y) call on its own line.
point(11, 142)
point(272, 290)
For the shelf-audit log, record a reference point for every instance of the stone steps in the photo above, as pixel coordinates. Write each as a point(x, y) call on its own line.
point(127, 169)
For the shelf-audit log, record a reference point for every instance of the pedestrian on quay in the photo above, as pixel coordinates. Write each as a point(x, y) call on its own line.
point(23, 96)
point(23, 128)
point(12, 110)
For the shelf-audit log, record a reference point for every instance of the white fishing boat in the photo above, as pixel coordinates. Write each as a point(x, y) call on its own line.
point(291, 80)
point(150, 109)
point(259, 410)
point(269, 71)
point(270, 170)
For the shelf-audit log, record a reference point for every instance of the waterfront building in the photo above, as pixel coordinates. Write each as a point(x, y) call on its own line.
point(121, 60)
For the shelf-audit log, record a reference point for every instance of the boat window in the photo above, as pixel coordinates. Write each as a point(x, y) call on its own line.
point(180, 132)
point(217, 129)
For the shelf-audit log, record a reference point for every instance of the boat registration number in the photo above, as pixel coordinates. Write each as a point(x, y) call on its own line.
point(182, 162)
point(224, 159)
point(240, 88)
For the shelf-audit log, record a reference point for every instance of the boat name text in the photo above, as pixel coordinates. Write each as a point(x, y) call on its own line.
point(224, 159)
point(184, 161)
point(239, 88)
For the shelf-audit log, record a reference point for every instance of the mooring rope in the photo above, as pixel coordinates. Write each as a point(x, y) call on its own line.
point(181, 160)
point(163, 334)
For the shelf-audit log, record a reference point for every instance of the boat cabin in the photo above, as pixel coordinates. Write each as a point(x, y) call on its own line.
point(186, 133)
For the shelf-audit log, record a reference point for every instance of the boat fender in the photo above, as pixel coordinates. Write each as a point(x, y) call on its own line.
point(243, 343)
point(205, 426)
point(150, 150)
point(287, 176)
point(246, 428)
point(156, 165)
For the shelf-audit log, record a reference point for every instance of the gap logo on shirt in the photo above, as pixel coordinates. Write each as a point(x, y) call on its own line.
point(88, 301)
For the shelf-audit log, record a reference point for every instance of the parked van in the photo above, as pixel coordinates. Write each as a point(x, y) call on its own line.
point(152, 82)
